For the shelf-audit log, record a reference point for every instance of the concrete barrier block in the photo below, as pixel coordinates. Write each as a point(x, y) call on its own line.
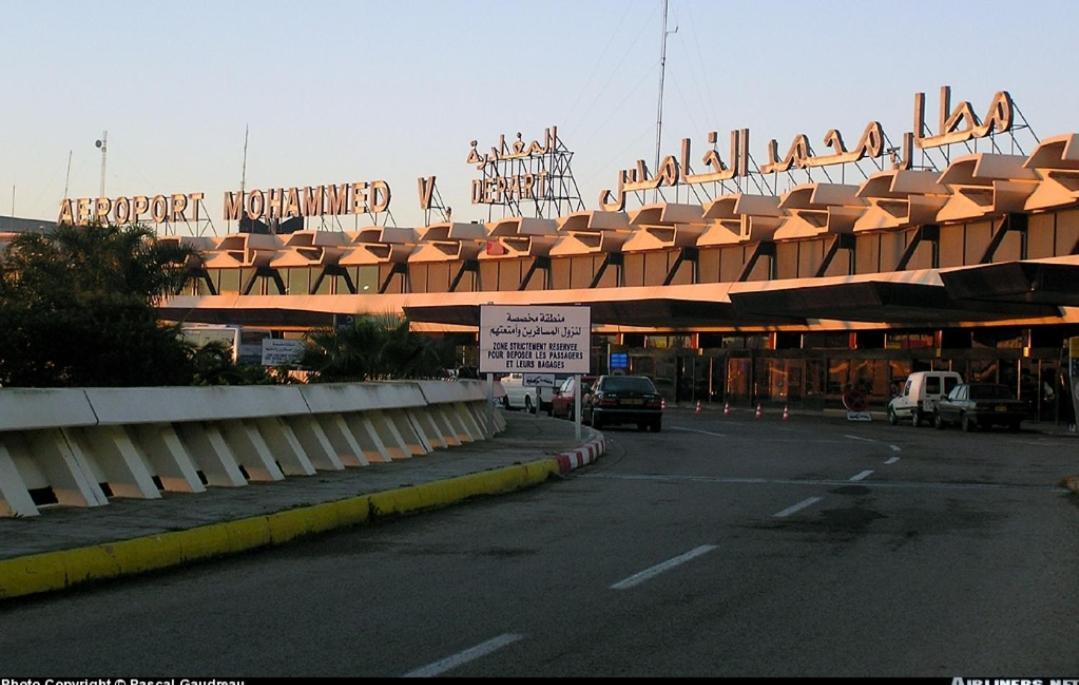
point(327, 398)
point(168, 457)
point(413, 439)
point(449, 432)
point(115, 460)
point(314, 442)
point(211, 453)
point(15, 499)
point(32, 408)
point(284, 446)
point(250, 450)
point(472, 427)
point(65, 467)
point(342, 439)
point(424, 422)
point(388, 433)
point(368, 437)
point(181, 404)
point(483, 415)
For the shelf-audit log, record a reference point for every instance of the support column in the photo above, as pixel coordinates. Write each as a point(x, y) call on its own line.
point(341, 437)
point(212, 454)
point(314, 442)
point(251, 451)
point(283, 446)
point(120, 461)
point(15, 499)
point(65, 468)
point(168, 457)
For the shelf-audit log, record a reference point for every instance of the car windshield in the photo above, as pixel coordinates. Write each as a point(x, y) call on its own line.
point(627, 384)
point(990, 392)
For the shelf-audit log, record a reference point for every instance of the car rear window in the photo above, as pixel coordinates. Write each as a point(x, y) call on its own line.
point(932, 385)
point(990, 392)
point(628, 384)
point(949, 383)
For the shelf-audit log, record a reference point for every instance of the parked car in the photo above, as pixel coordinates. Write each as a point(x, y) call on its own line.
point(624, 399)
point(518, 396)
point(981, 405)
point(562, 402)
point(921, 393)
point(546, 395)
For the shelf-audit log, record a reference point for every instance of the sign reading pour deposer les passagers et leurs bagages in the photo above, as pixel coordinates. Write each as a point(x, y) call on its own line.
point(535, 339)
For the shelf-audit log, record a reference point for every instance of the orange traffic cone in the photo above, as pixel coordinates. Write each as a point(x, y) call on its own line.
point(697, 411)
point(759, 413)
point(726, 408)
point(786, 413)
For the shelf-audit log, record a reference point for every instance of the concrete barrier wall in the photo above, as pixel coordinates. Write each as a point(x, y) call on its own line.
point(87, 445)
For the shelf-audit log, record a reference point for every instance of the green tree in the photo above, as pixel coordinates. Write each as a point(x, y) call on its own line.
point(375, 348)
point(77, 308)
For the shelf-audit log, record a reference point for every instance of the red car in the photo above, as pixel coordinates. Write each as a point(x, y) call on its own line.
point(562, 402)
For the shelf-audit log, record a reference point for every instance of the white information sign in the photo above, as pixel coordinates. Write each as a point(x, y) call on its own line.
point(535, 338)
point(278, 352)
point(538, 380)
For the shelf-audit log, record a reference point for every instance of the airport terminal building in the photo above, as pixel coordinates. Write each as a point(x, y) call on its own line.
point(956, 250)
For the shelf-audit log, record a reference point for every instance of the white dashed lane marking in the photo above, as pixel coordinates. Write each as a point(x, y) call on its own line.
point(797, 507)
point(451, 662)
point(638, 578)
point(862, 475)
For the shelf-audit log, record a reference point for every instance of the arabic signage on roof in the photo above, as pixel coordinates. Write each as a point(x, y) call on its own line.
point(954, 125)
point(540, 339)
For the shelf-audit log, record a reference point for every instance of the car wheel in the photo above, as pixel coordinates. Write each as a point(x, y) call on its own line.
point(915, 418)
point(1014, 426)
point(892, 418)
point(966, 423)
point(528, 404)
point(597, 422)
point(642, 426)
point(657, 425)
point(505, 402)
point(938, 421)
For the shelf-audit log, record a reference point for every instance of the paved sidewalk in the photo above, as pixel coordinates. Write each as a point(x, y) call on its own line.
point(526, 439)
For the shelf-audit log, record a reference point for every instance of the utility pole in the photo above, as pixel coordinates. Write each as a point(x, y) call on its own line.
point(103, 145)
point(662, 73)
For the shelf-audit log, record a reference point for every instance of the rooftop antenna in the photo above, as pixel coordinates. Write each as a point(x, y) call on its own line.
point(243, 173)
point(103, 145)
point(67, 176)
point(662, 73)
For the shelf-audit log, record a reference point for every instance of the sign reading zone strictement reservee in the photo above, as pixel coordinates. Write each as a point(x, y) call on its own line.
point(535, 339)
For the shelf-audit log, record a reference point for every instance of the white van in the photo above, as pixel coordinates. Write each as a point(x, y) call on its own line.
point(921, 392)
point(518, 395)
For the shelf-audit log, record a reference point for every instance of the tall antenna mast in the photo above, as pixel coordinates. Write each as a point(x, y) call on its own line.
point(662, 73)
point(243, 172)
point(67, 176)
point(243, 175)
point(103, 145)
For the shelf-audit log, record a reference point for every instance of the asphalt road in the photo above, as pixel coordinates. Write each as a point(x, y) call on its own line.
point(718, 547)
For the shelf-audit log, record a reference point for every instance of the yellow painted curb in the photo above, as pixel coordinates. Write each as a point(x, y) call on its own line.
point(66, 568)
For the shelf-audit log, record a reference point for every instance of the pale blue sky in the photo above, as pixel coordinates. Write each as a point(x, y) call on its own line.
point(342, 91)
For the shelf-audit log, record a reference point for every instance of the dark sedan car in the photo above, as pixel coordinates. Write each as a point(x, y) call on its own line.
point(624, 399)
point(981, 405)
